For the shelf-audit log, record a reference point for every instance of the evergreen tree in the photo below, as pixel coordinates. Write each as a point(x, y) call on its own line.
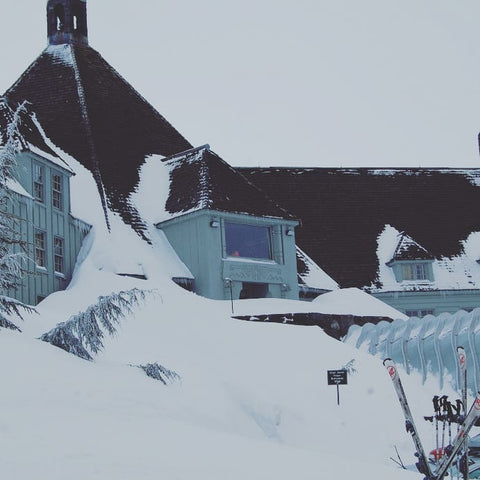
point(84, 332)
point(159, 372)
point(12, 246)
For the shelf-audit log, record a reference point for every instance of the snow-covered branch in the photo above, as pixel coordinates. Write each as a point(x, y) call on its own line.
point(159, 372)
point(12, 246)
point(84, 332)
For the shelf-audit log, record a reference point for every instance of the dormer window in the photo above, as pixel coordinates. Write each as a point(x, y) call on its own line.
point(415, 271)
point(410, 261)
point(248, 241)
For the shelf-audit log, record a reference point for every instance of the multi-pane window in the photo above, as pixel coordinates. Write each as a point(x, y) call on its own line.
point(250, 241)
point(57, 191)
point(39, 182)
point(418, 313)
point(39, 245)
point(58, 254)
point(416, 271)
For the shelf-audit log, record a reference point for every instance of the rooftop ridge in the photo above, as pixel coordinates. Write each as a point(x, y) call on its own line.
point(90, 142)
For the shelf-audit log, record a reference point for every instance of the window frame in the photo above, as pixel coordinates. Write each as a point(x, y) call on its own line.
point(40, 251)
point(415, 272)
point(57, 190)
point(59, 257)
point(420, 313)
point(269, 236)
point(39, 182)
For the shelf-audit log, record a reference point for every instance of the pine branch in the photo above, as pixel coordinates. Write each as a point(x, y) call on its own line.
point(12, 246)
point(4, 323)
point(159, 372)
point(84, 332)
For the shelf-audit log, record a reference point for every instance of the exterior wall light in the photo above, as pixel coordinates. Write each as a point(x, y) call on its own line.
point(214, 223)
point(289, 232)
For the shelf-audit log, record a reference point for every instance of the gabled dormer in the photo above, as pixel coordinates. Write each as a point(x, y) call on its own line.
point(411, 262)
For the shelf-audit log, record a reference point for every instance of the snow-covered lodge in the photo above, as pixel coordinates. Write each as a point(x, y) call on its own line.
point(41, 207)
point(406, 236)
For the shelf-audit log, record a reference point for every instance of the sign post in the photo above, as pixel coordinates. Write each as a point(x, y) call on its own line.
point(337, 377)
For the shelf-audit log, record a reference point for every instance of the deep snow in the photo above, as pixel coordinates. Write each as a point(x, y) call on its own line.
point(253, 400)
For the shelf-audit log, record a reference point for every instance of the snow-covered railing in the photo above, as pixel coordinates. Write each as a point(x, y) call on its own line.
point(427, 344)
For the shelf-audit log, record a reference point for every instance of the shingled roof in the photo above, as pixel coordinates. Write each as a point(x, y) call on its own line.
point(409, 249)
point(200, 179)
point(28, 133)
point(88, 110)
point(343, 212)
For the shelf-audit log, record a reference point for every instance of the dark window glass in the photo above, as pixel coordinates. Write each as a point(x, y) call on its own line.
point(58, 254)
point(418, 313)
point(38, 181)
point(250, 241)
point(57, 191)
point(415, 272)
point(40, 249)
point(59, 17)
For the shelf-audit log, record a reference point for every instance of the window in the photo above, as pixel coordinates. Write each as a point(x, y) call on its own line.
point(416, 271)
point(418, 313)
point(57, 195)
point(59, 18)
point(248, 241)
point(38, 182)
point(39, 244)
point(58, 254)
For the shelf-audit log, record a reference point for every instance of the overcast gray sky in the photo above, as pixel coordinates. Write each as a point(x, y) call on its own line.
point(290, 82)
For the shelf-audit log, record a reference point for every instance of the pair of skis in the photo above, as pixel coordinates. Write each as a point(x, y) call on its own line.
point(459, 441)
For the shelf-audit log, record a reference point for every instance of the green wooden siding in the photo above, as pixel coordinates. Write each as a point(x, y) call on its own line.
point(34, 215)
point(199, 240)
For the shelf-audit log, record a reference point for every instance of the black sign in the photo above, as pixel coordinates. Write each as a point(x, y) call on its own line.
point(337, 377)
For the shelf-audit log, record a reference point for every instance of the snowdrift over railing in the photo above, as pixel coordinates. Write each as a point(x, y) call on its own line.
point(427, 344)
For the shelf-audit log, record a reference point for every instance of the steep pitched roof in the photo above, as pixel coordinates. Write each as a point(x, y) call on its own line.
point(310, 274)
point(458, 272)
point(343, 211)
point(29, 134)
point(200, 179)
point(409, 249)
point(88, 110)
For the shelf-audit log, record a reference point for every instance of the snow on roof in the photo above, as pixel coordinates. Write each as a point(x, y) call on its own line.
point(343, 211)
point(90, 112)
point(409, 249)
point(31, 136)
point(14, 186)
point(312, 275)
point(353, 301)
point(61, 53)
point(460, 271)
point(151, 192)
point(194, 180)
point(200, 179)
point(50, 153)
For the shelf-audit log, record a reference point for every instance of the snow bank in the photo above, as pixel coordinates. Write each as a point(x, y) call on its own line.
point(352, 301)
point(253, 400)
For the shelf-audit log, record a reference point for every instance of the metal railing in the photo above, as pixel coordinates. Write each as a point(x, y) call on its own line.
point(427, 344)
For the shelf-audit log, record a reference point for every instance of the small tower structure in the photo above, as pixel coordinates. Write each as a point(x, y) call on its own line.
point(67, 22)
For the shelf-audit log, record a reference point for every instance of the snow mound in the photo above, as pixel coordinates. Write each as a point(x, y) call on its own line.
point(352, 301)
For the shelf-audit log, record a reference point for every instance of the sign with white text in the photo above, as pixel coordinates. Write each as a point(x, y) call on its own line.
point(337, 377)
